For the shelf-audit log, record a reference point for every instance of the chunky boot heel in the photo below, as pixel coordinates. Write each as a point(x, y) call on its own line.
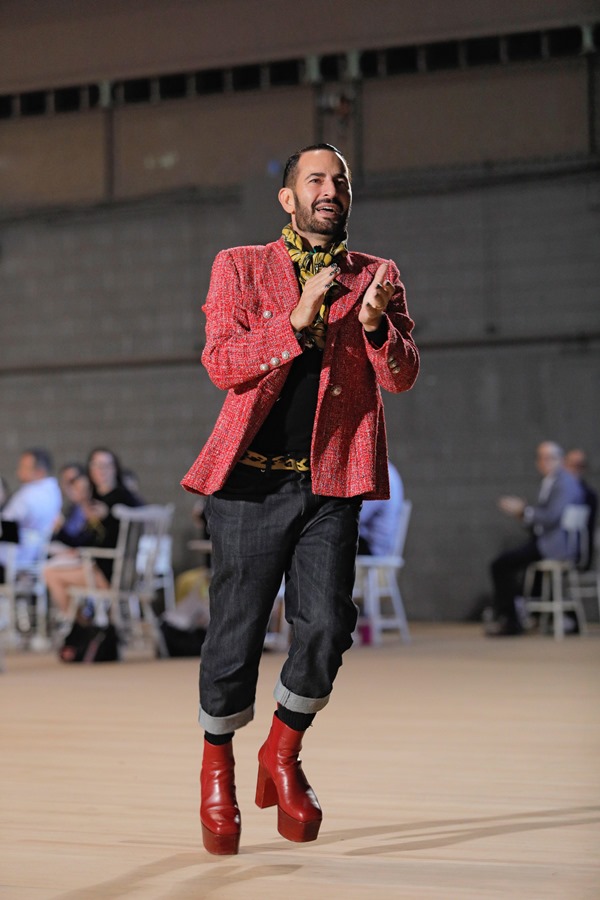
point(282, 782)
point(219, 812)
point(266, 792)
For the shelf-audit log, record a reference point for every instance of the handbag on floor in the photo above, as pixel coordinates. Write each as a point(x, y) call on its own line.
point(89, 642)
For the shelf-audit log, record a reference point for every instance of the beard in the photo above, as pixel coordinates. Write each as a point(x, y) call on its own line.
point(308, 221)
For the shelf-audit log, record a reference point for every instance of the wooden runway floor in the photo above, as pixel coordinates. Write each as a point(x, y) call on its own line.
point(456, 767)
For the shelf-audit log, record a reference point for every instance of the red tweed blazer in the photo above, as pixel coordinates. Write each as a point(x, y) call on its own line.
point(250, 345)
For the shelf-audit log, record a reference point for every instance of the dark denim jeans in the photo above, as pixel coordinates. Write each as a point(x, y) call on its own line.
point(257, 540)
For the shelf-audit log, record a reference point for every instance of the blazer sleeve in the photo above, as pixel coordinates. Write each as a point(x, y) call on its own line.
point(396, 362)
point(244, 344)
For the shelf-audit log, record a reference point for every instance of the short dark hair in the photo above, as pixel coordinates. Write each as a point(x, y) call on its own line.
point(79, 468)
point(42, 458)
point(289, 171)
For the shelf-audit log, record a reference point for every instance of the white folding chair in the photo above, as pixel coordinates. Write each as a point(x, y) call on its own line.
point(8, 625)
point(129, 597)
point(554, 574)
point(8, 589)
point(163, 566)
point(376, 586)
point(21, 585)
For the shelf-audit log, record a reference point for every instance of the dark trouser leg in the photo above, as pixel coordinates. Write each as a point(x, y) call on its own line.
point(251, 545)
point(507, 570)
point(313, 541)
point(318, 601)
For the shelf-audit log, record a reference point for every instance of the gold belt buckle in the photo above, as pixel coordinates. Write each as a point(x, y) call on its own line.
point(252, 458)
point(298, 465)
point(289, 464)
point(279, 463)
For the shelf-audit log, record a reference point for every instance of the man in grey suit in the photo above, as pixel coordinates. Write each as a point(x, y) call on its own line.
point(548, 540)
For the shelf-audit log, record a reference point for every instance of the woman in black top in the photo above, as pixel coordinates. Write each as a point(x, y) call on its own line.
point(66, 569)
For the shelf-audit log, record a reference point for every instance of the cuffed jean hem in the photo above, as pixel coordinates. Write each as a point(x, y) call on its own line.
point(225, 724)
point(296, 703)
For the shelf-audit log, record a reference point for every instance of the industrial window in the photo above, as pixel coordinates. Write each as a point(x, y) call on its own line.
point(67, 100)
point(564, 41)
point(330, 68)
point(369, 64)
point(482, 51)
point(137, 90)
point(526, 45)
point(285, 73)
point(33, 103)
point(6, 106)
point(400, 60)
point(246, 78)
point(171, 87)
point(210, 81)
point(442, 56)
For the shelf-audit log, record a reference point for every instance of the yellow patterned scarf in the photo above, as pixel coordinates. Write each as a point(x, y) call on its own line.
point(308, 263)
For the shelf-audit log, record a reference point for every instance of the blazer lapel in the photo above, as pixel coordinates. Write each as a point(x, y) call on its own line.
point(355, 281)
point(280, 277)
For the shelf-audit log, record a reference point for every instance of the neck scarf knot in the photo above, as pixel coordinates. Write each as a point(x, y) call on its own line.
point(308, 263)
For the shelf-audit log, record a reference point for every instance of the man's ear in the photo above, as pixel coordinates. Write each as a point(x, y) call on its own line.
point(286, 198)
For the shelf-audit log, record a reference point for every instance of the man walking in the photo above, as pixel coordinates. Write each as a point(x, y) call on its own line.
point(301, 333)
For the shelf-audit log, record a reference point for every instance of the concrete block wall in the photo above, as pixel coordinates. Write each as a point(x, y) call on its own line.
point(466, 434)
point(101, 334)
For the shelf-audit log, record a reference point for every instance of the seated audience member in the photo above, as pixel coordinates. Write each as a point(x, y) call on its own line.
point(576, 463)
point(73, 526)
point(547, 541)
point(34, 506)
point(67, 570)
point(379, 519)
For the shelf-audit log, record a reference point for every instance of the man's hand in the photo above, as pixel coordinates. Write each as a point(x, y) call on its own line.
point(376, 299)
point(312, 297)
point(513, 506)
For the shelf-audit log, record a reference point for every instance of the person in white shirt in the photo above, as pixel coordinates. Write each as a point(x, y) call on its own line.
point(379, 519)
point(34, 506)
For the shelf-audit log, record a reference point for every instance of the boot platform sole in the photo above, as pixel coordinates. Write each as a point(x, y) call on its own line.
point(220, 844)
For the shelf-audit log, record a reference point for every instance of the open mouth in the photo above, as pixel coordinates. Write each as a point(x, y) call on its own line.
point(328, 209)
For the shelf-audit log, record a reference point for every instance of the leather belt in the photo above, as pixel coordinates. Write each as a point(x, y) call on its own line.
point(277, 463)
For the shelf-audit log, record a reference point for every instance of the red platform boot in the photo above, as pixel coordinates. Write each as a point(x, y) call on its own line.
point(219, 812)
point(282, 783)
